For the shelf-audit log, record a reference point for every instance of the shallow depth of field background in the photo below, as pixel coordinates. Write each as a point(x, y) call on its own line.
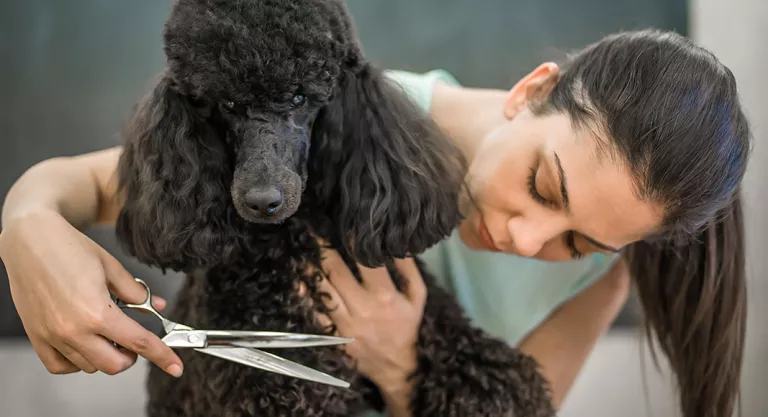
point(70, 70)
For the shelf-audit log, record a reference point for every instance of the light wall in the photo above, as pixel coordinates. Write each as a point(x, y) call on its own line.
point(736, 32)
point(619, 378)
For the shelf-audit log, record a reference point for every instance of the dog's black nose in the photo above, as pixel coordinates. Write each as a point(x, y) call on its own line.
point(264, 200)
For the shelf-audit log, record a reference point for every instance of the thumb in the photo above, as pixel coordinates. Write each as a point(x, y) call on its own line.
point(123, 285)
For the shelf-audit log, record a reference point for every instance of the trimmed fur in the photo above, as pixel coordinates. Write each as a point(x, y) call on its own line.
point(356, 163)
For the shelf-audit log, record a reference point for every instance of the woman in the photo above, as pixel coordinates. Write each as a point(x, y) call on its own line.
point(627, 162)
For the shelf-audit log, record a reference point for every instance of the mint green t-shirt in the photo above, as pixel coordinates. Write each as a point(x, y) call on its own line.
point(506, 295)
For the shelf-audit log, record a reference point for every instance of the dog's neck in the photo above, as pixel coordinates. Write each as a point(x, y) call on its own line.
point(260, 246)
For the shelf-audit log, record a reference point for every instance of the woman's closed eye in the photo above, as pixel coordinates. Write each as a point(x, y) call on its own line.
point(534, 191)
point(570, 236)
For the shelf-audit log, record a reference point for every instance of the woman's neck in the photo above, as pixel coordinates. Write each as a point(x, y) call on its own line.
point(467, 115)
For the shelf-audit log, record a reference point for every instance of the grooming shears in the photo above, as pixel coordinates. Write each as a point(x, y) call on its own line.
point(241, 346)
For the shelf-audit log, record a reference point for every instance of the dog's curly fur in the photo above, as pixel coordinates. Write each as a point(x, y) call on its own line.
point(277, 94)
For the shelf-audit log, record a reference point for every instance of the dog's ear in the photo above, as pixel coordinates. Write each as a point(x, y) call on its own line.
point(171, 174)
point(390, 178)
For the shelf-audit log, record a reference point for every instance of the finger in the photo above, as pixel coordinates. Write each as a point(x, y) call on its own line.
point(377, 280)
point(122, 283)
point(127, 354)
point(76, 358)
point(53, 360)
point(325, 322)
point(126, 332)
point(338, 311)
point(342, 279)
point(102, 354)
point(415, 289)
point(159, 303)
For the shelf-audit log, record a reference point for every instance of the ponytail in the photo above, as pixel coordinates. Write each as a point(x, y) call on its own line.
point(694, 298)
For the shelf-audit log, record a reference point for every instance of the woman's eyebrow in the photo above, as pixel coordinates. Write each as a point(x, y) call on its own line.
point(567, 205)
point(563, 184)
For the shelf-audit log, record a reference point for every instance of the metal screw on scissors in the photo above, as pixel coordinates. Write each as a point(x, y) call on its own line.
point(241, 346)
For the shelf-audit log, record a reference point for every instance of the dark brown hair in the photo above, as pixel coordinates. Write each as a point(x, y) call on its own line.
point(672, 113)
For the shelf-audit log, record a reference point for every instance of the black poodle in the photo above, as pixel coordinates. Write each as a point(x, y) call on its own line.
point(269, 128)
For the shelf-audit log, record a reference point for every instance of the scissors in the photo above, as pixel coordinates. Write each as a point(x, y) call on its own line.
point(241, 346)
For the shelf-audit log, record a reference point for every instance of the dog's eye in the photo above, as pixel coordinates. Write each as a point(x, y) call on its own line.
point(298, 101)
point(232, 107)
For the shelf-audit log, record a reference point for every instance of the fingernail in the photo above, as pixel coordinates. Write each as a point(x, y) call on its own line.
point(158, 302)
point(175, 370)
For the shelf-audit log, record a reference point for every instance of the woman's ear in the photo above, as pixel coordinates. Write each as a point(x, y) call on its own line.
point(169, 172)
point(534, 86)
point(389, 177)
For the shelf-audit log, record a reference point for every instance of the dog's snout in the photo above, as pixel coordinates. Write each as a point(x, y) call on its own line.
point(266, 201)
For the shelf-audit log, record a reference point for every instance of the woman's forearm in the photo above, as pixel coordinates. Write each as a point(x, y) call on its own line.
point(562, 344)
point(80, 188)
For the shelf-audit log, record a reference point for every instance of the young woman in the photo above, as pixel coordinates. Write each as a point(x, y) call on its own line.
point(625, 163)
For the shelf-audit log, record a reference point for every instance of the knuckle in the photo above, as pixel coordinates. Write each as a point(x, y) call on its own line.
point(93, 320)
point(67, 327)
point(63, 331)
point(386, 299)
point(112, 368)
point(365, 314)
point(140, 344)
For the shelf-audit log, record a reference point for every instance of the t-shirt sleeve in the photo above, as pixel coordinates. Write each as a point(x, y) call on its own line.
point(419, 86)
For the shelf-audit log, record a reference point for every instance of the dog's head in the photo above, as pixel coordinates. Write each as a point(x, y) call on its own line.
point(260, 102)
point(259, 71)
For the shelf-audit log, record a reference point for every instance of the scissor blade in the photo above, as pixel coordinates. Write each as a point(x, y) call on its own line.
point(270, 340)
point(269, 362)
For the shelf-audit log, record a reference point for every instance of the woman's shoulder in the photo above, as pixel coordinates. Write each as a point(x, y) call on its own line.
point(510, 295)
point(420, 85)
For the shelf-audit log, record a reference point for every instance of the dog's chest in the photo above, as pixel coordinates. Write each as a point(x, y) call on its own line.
point(265, 297)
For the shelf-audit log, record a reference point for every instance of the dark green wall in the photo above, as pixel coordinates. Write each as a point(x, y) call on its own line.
point(71, 69)
point(492, 43)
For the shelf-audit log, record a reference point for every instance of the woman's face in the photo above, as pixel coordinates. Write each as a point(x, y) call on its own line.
point(541, 188)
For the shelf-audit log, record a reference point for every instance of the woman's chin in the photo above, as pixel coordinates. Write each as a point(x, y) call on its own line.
point(468, 232)
point(468, 237)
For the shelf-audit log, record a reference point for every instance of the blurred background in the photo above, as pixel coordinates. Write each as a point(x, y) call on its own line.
point(70, 70)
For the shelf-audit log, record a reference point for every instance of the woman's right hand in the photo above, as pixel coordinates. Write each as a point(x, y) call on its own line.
point(60, 282)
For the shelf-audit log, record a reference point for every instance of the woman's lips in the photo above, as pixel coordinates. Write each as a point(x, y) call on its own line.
point(485, 237)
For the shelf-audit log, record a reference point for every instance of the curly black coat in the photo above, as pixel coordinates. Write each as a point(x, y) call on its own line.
point(267, 127)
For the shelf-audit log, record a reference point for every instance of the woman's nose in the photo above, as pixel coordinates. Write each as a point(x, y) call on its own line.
point(529, 236)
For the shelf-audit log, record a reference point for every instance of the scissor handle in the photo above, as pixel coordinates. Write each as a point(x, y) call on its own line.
point(146, 305)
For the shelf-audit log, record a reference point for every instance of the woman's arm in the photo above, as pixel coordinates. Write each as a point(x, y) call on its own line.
point(60, 279)
point(80, 188)
point(564, 341)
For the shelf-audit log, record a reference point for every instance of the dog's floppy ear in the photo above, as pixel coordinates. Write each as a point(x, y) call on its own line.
point(390, 178)
point(171, 169)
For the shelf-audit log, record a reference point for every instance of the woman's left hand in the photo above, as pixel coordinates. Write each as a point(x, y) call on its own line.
point(383, 321)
